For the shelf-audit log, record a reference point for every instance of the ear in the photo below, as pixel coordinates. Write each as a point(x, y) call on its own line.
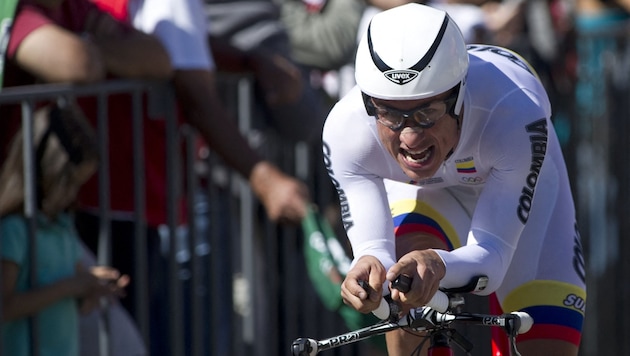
point(369, 106)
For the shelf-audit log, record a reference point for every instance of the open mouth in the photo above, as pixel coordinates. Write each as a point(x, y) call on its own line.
point(418, 157)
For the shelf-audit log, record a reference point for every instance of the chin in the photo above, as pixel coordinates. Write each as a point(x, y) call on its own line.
point(417, 176)
point(419, 173)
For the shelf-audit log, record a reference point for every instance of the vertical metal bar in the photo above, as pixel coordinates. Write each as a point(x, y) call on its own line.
point(289, 254)
point(246, 213)
point(196, 308)
point(303, 169)
point(271, 274)
point(141, 284)
point(104, 230)
point(172, 198)
point(221, 266)
point(104, 238)
point(30, 210)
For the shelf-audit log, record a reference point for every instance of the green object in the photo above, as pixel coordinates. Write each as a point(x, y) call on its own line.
point(327, 263)
point(7, 11)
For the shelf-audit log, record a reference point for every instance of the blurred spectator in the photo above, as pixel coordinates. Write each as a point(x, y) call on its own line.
point(7, 12)
point(247, 36)
point(469, 17)
point(196, 88)
point(593, 17)
point(60, 286)
point(71, 41)
point(323, 38)
point(322, 33)
point(181, 27)
point(124, 338)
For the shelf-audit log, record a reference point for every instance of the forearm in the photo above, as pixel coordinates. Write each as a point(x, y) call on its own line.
point(127, 52)
point(483, 259)
point(57, 55)
point(29, 303)
point(135, 56)
point(202, 109)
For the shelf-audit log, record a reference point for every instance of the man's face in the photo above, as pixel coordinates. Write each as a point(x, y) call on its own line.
point(419, 152)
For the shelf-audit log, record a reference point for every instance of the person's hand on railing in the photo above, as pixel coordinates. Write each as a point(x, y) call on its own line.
point(285, 198)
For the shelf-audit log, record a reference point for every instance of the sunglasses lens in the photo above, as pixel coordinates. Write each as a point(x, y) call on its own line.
point(425, 116)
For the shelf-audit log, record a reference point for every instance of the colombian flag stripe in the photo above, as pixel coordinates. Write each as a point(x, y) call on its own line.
point(557, 309)
point(536, 293)
point(419, 227)
point(546, 314)
point(411, 215)
point(549, 331)
point(466, 167)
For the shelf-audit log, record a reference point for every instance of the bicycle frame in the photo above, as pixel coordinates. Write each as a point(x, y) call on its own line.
point(439, 327)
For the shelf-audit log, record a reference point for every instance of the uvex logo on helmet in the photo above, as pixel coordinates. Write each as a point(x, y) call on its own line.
point(401, 76)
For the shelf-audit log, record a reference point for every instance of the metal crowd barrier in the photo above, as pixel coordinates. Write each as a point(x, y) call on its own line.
point(238, 282)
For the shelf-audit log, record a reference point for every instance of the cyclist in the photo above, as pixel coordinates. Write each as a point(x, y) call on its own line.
point(447, 166)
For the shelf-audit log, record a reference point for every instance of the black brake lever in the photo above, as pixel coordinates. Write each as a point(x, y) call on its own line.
point(395, 309)
point(402, 283)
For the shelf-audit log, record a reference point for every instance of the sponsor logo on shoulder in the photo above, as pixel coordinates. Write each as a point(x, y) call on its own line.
point(400, 76)
point(427, 181)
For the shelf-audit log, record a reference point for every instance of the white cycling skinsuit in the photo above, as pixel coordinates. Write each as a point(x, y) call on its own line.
point(501, 201)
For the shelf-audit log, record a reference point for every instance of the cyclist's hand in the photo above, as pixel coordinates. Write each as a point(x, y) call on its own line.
point(426, 269)
point(371, 270)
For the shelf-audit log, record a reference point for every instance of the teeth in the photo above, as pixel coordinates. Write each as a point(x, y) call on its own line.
point(418, 157)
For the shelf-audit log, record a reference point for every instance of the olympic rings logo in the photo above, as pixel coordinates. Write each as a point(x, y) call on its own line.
point(472, 180)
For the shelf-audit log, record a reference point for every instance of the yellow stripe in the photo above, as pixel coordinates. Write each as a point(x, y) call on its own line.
point(407, 206)
point(537, 293)
point(469, 164)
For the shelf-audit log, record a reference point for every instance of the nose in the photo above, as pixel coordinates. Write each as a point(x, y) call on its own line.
point(411, 135)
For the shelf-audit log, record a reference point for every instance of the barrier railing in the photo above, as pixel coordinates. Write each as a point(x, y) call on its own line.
point(236, 281)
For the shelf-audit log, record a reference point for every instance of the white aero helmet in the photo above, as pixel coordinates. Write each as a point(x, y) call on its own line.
point(411, 52)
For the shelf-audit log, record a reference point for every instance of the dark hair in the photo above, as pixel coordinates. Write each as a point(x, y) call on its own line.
point(64, 144)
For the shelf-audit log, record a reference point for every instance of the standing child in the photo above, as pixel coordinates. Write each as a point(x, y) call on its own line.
point(66, 157)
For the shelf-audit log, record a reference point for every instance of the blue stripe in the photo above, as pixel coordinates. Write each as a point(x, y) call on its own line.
point(556, 315)
point(415, 218)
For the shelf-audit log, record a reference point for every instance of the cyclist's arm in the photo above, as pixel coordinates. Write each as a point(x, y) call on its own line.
point(497, 222)
point(353, 159)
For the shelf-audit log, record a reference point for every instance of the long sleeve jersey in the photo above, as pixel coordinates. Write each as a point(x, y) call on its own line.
point(507, 169)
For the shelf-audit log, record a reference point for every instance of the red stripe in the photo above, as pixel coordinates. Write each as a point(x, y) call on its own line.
point(549, 331)
point(407, 228)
